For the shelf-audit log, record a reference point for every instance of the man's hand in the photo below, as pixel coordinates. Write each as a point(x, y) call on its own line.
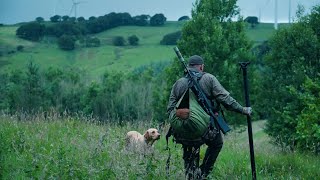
point(247, 111)
point(183, 113)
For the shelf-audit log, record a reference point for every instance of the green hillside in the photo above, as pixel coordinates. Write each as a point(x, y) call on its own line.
point(96, 60)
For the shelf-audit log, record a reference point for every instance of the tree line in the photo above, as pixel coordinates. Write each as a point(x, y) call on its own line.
point(114, 97)
point(69, 29)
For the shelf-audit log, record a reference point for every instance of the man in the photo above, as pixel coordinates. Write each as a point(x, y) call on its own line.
point(214, 91)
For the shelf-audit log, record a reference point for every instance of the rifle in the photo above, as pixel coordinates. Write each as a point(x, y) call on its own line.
point(202, 98)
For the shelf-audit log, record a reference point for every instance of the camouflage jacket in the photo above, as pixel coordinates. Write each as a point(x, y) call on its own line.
point(210, 86)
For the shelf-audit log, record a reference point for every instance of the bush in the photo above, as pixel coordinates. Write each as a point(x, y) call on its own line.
point(20, 48)
point(171, 38)
point(118, 41)
point(184, 18)
point(66, 42)
point(291, 76)
point(55, 18)
point(92, 42)
point(157, 20)
point(31, 31)
point(133, 40)
point(308, 126)
point(39, 19)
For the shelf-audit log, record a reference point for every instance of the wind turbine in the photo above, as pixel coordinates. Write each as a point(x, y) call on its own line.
point(55, 7)
point(275, 14)
point(74, 7)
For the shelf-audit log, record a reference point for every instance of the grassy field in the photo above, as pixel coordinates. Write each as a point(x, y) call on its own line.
point(93, 60)
point(80, 148)
point(106, 57)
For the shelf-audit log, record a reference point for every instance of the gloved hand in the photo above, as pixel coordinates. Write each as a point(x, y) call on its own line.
point(183, 113)
point(247, 111)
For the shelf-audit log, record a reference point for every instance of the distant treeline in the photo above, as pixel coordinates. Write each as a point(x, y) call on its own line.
point(70, 29)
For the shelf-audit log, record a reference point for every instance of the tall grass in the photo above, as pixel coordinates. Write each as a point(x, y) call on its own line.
point(82, 148)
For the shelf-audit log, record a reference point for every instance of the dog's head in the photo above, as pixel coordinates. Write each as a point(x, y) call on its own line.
point(152, 135)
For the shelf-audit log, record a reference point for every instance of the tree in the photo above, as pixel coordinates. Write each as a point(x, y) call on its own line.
point(157, 20)
point(55, 18)
point(252, 20)
point(92, 42)
point(33, 88)
point(67, 28)
point(133, 40)
point(141, 20)
point(31, 31)
point(66, 42)
point(184, 18)
point(20, 48)
point(65, 18)
point(39, 19)
point(81, 19)
point(118, 41)
point(292, 62)
point(171, 38)
point(222, 42)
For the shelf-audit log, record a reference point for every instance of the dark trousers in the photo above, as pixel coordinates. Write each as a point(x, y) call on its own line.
point(191, 156)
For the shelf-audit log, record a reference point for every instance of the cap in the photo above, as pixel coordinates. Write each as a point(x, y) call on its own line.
point(195, 60)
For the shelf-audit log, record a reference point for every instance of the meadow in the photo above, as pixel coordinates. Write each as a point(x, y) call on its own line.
point(62, 147)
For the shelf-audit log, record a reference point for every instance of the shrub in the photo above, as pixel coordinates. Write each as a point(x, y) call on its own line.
point(92, 42)
point(66, 42)
point(39, 19)
point(183, 18)
point(157, 20)
point(118, 41)
point(133, 40)
point(171, 38)
point(20, 48)
point(31, 31)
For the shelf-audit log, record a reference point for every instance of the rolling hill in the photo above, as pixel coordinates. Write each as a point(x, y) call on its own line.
point(96, 60)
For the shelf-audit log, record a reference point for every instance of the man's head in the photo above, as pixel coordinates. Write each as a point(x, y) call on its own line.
point(197, 62)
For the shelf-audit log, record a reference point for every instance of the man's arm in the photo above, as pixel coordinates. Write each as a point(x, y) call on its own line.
point(223, 96)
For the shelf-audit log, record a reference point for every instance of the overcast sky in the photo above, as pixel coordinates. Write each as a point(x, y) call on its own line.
point(14, 11)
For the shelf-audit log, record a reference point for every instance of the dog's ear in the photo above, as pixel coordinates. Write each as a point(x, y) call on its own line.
point(146, 135)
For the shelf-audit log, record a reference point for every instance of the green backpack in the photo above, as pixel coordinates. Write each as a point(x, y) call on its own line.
point(190, 131)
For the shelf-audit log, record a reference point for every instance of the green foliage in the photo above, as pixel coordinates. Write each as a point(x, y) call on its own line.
point(39, 19)
point(141, 20)
point(81, 19)
point(65, 18)
point(171, 38)
point(183, 18)
point(33, 88)
point(55, 18)
point(294, 57)
point(133, 40)
point(308, 122)
point(118, 41)
point(66, 42)
point(117, 96)
point(157, 20)
point(253, 20)
point(20, 48)
point(92, 42)
point(32, 31)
